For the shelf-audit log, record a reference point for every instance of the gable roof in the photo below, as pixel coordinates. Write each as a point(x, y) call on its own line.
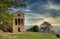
point(18, 12)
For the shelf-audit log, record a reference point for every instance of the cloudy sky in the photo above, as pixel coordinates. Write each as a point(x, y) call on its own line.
point(38, 11)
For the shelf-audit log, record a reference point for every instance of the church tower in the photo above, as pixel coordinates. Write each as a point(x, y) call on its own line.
point(18, 22)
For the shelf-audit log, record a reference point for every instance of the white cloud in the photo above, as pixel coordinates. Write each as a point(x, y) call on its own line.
point(53, 21)
point(51, 5)
point(33, 18)
point(27, 10)
point(46, 17)
point(38, 19)
point(34, 15)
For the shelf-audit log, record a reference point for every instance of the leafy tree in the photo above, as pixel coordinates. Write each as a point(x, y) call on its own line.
point(34, 29)
point(5, 15)
point(5, 4)
point(46, 27)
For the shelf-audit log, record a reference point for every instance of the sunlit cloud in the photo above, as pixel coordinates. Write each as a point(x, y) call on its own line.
point(38, 19)
point(52, 6)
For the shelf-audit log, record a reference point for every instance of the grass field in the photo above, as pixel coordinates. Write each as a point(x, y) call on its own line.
point(5, 36)
point(27, 35)
point(33, 35)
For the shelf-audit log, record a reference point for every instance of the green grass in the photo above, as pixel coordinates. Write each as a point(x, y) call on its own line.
point(33, 35)
point(5, 36)
point(27, 35)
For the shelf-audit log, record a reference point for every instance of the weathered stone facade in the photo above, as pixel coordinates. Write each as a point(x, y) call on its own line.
point(18, 22)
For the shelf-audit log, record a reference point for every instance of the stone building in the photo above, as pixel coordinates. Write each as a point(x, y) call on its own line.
point(18, 22)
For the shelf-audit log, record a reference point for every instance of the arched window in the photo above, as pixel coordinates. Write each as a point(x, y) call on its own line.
point(19, 15)
point(15, 21)
point(18, 29)
point(18, 21)
point(22, 21)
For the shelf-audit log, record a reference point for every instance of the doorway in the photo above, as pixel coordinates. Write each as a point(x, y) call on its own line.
point(18, 29)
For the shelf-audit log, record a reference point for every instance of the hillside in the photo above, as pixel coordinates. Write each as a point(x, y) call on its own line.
point(4, 36)
point(27, 35)
point(33, 35)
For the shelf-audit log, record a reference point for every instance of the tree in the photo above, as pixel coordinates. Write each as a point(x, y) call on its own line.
point(5, 4)
point(5, 15)
point(34, 29)
point(46, 27)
